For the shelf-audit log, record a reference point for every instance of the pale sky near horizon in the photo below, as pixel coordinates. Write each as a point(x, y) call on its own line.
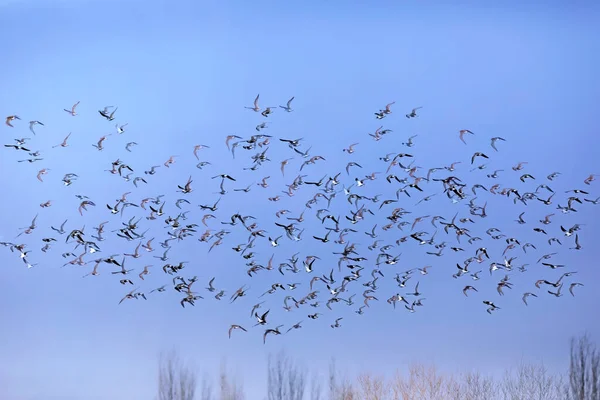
point(181, 74)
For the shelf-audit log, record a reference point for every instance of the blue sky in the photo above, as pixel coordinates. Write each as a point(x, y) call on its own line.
point(181, 74)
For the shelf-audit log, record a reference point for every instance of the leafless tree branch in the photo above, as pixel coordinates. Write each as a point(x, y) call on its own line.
point(285, 379)
point(231, 389)
point(339, 389)
point(206, 391)
point(176, 381)
point(315, 387)
point(531, 382)
point(584, 370)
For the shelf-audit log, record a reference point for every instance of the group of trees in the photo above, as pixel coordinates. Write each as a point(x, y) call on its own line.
point(179, 381)
point(287, 380)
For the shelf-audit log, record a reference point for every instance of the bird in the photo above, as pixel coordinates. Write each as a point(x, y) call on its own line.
point(273, 331)
point(129, 145)
point(16, 147)
point(350, 149)
point(234, 327)
point(34, 123)
point(462, 134)
point(387, 109)
point(573, 286)
point(10, 119)
point(494, 140)
point(41, 173)
point(72, 111)
point(229, 138)
point(99, 145)
point(467, 288)
point(409, 142)
point(286, 107)
point(477, 154)
point(120, 128)
point(64, 142)
point(255, 108)
point(215, 222)
point(527, 294)
point(199, 147)
point(170, 161)
point(105, 113)
point(413, 112)
point(590, 179)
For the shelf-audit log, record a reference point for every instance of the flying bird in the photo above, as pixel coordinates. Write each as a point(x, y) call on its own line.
point(494, 140)
point(234, 327)
point(11, 118)
point(413, 112)
point(255, 108)
point(286, 107)
point(72, 111)
point(462, 133)
point(34, 123)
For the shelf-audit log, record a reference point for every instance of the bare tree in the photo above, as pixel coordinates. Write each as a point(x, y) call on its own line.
point(584, 370)
point(339, 389)
point(315, 387)
point(176, 381)
point(285, 379)
point(206, 391)
point(474, 386)
point(423, 383)
point(288, 381)
point(332, 379)
point(528, 381)
point(230, 388)
point(373, 387)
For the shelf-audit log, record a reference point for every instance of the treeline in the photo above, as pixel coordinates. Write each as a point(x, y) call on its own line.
point(287, 380)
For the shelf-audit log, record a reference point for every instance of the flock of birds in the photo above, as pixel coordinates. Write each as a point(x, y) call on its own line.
point(366, 231)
